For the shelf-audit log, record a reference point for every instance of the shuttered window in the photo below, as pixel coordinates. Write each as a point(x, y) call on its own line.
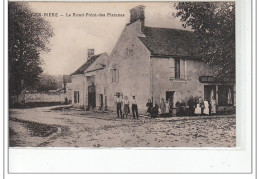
point(114, 75)
point(182, 69)
point(177, 69)
point(172, 68)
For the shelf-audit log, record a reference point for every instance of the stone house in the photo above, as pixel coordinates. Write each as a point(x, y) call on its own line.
point(88, 82)
point(154, 63)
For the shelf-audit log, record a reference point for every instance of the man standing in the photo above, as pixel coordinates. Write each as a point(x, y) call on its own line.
point(191, 105)
point(134, 108)
point(118, 102)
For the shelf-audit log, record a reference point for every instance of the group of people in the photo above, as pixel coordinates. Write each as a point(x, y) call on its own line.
point(126, 107)
point(195, 107)
point(164, 108)
point(202, 107)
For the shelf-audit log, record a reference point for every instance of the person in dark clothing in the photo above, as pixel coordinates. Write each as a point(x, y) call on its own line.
point(118, 102)
point(191, 104)
point(134, 108)
point(201, 103)
point(178, 108)
point(154, 111)
point(183, 108)
point(149, 106)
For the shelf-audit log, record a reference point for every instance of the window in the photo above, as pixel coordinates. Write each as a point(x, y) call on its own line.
point(177, 69)
point(76, 96)
point(114, 75)
point(118, 94)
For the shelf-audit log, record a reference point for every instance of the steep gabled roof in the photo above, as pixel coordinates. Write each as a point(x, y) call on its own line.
point(170, 42)
point(81, 69)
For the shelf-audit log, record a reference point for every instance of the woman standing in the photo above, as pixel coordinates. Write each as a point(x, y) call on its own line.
point(126, 107)
point(206, 107)
point(149, 106)
point(167, 106)
point(163, 106)
point(198, 108)
point(201, 105)
point(213, 105)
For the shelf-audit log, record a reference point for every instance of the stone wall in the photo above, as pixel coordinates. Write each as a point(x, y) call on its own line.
point(44, 97)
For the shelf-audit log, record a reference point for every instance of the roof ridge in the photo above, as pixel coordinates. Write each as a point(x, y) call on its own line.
point(169, 29)
point(89, 61)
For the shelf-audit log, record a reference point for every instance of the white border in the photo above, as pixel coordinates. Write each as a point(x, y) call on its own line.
point(139, 160)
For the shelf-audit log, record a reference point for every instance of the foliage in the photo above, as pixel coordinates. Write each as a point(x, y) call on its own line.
point(28, 35)
point(214, 25)
point(48, 82)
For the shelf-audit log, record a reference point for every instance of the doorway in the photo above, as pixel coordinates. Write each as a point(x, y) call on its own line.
point(105, 103)
point(209, 92)
point(92, 96)
point(101, 100)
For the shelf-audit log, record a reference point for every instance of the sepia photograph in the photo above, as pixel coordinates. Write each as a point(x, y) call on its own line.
point(122, 74)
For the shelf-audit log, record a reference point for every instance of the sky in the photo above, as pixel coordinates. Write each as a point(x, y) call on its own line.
point(74, 35)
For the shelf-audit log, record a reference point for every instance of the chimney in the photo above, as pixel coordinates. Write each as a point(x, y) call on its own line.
point(91, 53)
point(136, 14)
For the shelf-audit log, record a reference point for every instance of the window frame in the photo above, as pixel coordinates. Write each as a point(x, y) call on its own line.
point(177, 68)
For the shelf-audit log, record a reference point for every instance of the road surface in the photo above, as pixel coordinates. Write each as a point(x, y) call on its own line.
point(45, 127)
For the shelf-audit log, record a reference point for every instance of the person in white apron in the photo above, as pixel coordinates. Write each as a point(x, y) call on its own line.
point(167, 105)
point(198, 108)
point(206, 108)
point(213, 105)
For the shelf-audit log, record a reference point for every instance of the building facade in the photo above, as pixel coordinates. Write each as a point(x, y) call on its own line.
point(155, 63)
point(149, 63)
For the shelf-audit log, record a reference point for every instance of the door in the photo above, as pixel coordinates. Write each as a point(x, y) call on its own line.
point(92, 96)
point(170, 98)
point(101, 100)
point(209, 92)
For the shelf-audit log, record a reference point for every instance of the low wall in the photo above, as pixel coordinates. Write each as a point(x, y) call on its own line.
point(44, 97)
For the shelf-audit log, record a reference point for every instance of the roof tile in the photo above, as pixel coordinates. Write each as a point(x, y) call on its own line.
point(81, 69)
point(170, 42)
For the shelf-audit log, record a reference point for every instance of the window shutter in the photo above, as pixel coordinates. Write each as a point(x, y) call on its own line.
point(182, 69)
point(111, 75)
point(177, 68)
point(117, 75)
point(172, 68)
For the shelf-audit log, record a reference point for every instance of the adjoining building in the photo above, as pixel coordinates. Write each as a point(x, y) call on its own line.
point(88, 82)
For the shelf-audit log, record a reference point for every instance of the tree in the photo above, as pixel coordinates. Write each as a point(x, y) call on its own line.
point(28, 35)
point(214, 25)
point(49, 82)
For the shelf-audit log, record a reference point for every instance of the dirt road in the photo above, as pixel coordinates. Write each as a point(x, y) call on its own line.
point(45, 127)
